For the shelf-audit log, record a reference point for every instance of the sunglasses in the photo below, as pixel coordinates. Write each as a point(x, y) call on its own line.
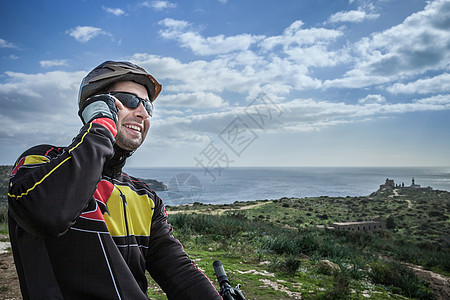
point(132, 101)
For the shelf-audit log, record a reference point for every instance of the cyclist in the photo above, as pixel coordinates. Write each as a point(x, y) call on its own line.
point(80, 227)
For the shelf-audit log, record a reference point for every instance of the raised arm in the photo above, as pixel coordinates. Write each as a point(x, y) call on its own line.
point(49, 188)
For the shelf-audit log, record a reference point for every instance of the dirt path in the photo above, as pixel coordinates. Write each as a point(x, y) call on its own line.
point(439, 284)
point(395, 193)
point(217, 211)
point(409, 203)
point(9, 282)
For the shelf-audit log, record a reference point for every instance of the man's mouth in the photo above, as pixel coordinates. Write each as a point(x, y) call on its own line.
point(133, 127)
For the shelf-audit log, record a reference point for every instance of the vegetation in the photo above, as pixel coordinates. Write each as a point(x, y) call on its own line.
point(251, 248)
point(282, 237)
point(4, 179)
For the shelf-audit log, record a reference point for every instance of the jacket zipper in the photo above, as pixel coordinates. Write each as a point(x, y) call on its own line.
point(124, 202)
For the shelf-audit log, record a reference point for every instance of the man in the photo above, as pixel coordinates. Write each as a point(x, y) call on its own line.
point(81, 228)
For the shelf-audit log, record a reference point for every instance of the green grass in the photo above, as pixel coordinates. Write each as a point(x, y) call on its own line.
point(417, 220)
point(244, 244)
point(3, 219)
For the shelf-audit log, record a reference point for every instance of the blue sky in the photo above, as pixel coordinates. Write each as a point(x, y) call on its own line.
point(245, 83)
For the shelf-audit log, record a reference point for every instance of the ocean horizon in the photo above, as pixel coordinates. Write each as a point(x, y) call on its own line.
point(191, 184)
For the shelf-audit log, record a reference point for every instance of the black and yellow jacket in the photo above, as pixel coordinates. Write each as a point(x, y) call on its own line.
point(82, 229)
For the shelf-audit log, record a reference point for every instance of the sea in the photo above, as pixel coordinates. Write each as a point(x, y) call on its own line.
point(226, 186)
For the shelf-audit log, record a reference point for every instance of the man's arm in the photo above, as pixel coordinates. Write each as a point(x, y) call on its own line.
point(47, 192)
point(170, 266)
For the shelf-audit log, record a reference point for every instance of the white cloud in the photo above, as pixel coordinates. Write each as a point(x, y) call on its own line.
point(247, 70)
point(295, 35)
point(367, 5)
point(197, 76)
point(159, 5)
point(310, 114)
point(225, 74)
point(307, 47)
point(114, 11)
point(179, 31)
point(372, 99)
point(6, 44)
point(12, 57)
point(353, 16)
point(43, 86)
point(44, 99)
point(441, 101)
point(174, 27)
point(317, 56)
point(417, 45)
point(437, 84)
point(356, 78)
point(53, 63)
point(192, 100)
point(298, 115)
point(43, 107)
point(238, 68)
point(85, 33)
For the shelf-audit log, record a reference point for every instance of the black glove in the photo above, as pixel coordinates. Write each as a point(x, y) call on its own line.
point(98, 106)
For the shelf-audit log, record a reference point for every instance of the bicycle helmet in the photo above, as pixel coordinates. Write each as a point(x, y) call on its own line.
point(111, 72)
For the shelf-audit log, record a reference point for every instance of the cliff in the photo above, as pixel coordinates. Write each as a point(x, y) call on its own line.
point(154, 184)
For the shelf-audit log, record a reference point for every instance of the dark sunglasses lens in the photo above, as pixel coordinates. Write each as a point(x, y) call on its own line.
point(132, 101)
point(148, 107)
point(128, 100)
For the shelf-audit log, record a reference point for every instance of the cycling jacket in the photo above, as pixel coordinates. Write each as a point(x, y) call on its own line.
point(80, 230)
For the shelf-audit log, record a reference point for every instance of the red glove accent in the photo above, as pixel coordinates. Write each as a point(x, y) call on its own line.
point(108, 123)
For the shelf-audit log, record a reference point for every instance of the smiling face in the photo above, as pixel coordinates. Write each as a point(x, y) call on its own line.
point(132, 124)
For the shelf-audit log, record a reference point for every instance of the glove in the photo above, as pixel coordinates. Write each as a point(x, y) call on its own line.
point(98, 106)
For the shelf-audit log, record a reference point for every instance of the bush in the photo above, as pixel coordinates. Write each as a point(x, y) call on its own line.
point(341, 287)
point(400, 279)
point(284, 244)
point(226, 225)
point(3, 214)
point(317, 243)
point(390, 222)
point(204, 224)
point(287, 265)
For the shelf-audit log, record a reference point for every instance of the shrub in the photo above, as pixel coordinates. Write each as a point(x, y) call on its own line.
point(401, 279)
point(341, 287)
point(390, 222)
point(225, 225)
point(435, 214)
point(287, 265)
point(322, 217)
point(3, 214)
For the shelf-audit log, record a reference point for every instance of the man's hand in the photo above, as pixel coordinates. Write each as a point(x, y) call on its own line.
point(100, 106)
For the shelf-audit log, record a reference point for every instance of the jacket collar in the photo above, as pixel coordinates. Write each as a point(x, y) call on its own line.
point(113, 167)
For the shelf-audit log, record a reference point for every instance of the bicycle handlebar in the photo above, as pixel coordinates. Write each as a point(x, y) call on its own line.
point(226, 291)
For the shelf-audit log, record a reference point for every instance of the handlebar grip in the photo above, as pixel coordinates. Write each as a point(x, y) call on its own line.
point(220, 272)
